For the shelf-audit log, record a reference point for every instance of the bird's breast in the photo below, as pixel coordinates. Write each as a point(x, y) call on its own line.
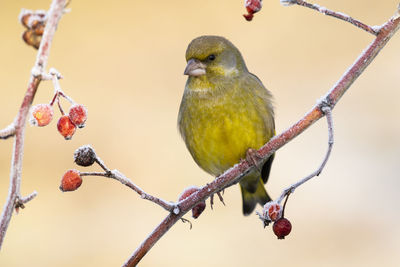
point(218, 130)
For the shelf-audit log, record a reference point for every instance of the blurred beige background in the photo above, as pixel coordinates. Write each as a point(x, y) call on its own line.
point(124, 60)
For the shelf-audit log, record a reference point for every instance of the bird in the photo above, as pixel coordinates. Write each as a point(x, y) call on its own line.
point(226, 113)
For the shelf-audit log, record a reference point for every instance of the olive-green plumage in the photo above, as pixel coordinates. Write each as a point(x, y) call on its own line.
point(225, 111)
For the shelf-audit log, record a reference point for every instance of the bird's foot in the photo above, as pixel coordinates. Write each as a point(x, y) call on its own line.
point(220, 199)
point(252, 157)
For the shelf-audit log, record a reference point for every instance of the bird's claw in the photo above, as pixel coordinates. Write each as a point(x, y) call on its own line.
point(220, 199)
point(252, 157)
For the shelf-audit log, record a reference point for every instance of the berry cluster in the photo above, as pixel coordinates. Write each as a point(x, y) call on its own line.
point(42, 114)
point(34, 22)
point(252, 6)
point(199, 208)
point(274, 212)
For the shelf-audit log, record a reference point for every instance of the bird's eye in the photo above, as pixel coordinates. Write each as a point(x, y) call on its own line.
point(211, 57)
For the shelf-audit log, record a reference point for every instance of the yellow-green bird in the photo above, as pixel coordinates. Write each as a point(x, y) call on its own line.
point(225, 111)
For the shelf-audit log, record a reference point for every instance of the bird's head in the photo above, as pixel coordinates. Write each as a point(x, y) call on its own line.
point(213, 57)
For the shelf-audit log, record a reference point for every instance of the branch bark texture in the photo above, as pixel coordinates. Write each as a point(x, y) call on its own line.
point(53, 17)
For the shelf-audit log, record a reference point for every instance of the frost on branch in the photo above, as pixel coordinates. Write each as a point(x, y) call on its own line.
point(288, 2)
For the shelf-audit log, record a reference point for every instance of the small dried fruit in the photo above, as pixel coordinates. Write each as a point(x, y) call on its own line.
point(31, 38)
point(25, 19)
point(272, 211)
point(84, 156)
point(78, 115)
point(252, 6)
point(39, 29)
point(282, 228)
point(41, 115)
point(66, 127)
point(35, 22)
point(199, 208)
point(71, 181)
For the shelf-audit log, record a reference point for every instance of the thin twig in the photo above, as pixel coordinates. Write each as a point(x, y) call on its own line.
point(234, 174)
point(331, 13)
point(56, 76)
point(116, 175)
point(24, 200)
point(328, 113)
point(54, 15)
point(7, 132)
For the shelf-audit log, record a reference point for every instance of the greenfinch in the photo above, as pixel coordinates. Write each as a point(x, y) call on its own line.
point(225, 111)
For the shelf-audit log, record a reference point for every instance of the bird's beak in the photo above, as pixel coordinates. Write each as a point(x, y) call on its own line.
point(195, 68)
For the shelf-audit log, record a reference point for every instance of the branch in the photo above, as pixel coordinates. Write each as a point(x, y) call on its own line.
point(116, 175)
point(234, 174)
point(334, 14)
point(53, 16)
point(7, 132)
point(328, 113)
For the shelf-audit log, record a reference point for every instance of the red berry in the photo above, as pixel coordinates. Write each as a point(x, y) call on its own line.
point(252, 6)
point(66, 127)
point(78, 115)
point(71, 181)
point(199, 208)
point(41, 114)
point(248, 17)
point(282, 228)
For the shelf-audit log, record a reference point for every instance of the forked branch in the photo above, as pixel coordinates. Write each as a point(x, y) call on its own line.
point(234, 174)
point(17, 129)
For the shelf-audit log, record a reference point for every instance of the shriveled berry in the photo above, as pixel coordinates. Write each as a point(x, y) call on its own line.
point(41, 115)
point(84, 156)
point(78, 115)
point(199, 208)
point(25, 18)
point(71, 181)
point(31, 38)
point(282, 228)
point(252, 6)
point(66, 127)
point(272, 210)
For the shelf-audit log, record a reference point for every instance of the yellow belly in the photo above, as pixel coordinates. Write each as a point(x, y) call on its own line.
point(218, 132)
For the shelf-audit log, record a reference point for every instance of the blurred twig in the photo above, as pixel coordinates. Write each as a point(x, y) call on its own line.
point(334, 14)
point(234, 174)
point(14, 196)
point(7, 132)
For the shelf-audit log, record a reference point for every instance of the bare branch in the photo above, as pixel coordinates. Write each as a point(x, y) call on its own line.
point(24, 200)
point(234, 174)
point(116, 175)
point(7, 132)
point(331, 13)
point(54, 15)
point(328, 113)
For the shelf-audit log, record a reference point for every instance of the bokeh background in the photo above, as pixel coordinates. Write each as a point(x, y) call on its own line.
point(124, 60)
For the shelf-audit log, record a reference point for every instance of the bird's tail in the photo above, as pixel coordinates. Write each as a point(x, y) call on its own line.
point(250, 200)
